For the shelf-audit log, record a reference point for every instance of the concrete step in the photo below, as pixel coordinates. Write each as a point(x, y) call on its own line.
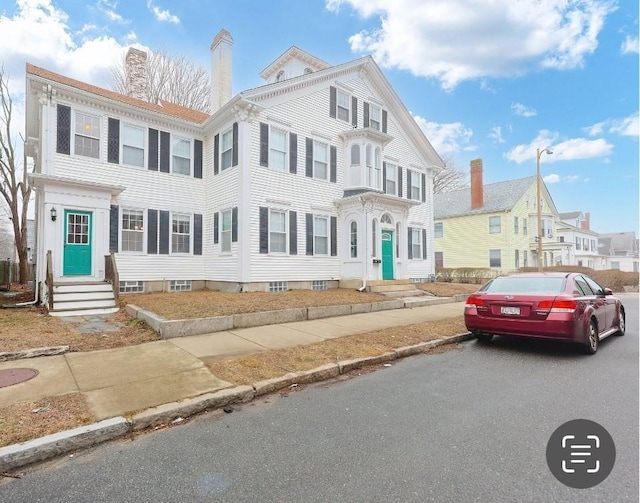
point(404, 293)
point(94, 286)
point(74, 296)
point(82, 304)
point(84, 312)
point(393, 288)
point(378, 282)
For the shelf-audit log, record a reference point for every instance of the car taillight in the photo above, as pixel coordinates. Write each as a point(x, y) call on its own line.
point(559, 305)
point(474, 302)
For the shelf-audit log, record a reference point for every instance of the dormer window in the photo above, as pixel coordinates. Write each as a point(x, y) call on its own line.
point(280, 76)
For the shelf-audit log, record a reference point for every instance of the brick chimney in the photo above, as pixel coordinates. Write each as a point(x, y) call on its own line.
point(586, 223)
point(221, 69)
point(477, 191)
point(136, 74)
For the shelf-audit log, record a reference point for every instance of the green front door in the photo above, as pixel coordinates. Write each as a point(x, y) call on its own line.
point(387, 254)
point(77, 243)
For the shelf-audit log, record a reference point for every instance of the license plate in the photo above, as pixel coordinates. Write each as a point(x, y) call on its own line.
point(510, 310)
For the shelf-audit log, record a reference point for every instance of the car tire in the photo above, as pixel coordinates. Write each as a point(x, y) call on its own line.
point(593, 341)
point(484, 338)
point(621, 323)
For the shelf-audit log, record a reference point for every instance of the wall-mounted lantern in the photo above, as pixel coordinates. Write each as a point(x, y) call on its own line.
point(54, 214)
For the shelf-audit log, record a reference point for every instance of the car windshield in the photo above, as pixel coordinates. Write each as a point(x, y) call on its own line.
point(525, 284)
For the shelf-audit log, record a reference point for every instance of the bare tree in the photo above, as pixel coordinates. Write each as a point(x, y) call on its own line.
point(14, 185)
point(176, 79)
point(450, 178)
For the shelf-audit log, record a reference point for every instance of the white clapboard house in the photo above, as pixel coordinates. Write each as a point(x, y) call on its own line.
point(317, 179)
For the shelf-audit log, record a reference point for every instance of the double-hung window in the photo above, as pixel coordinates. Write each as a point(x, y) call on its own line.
point(438, 231)
point(226, 231)
point(226, 149)
point(181, 233)
point(495, 258)
point(87, 135)
point(132, 145)
point(278, 149)
point(495, 225)
point(416, 243)
point(375, 117)
point(524, 227)
point(320, 160)
point(343, 102)
point(132, 230)
point(415, 186)
point(181, 156)
point(320, 235)
point(277, 231)
point(391, 179)
point(516, 227)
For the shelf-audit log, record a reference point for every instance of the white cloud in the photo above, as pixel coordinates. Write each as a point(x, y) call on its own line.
point(446, 138)
point(555, 178)
point(567, 150)
point(496, 134)
point(520, 109)
point(630, 45)
point(162, 15)
point(552, 178)
point(629, 126)
point(109, 10)
point(456, 40)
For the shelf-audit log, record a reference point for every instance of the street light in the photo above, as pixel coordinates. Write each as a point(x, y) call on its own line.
point(539, 153)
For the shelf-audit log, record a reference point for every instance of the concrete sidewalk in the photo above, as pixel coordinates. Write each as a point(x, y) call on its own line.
point(119, 381)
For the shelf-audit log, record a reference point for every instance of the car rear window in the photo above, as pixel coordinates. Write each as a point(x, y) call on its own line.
point(525, 285)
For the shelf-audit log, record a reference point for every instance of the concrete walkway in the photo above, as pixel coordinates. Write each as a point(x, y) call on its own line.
point(119, 381)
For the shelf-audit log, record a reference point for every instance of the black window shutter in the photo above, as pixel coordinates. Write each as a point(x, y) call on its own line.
point(114, 217)
point(365, 111)
point(113, 141)
point(309, 158)
point(197, 234)
point(409, 242)
point(216, 154)
point(264, 229)
point(216, 223)
point(264, 144)
point(309, 233)
point(152, 162)
point(334, 236)
point(334, 164)
point(409, 184)
point(234, 153)
point(63, 144)
point(293, 233)
point(424, 243)
point(152, 231)
point(164, 233)
point(384, 121)
point(293, 153)
point(424, 188)
point(399, 181)
point(234, 224)
point(165, 148)
point(354, 111)
point(333, 99)
point(197, 159)
point(384, 177)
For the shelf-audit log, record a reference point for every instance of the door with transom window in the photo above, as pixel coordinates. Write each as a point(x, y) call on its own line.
point(77, 243)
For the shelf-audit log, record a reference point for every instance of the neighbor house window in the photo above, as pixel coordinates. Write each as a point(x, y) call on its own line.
point(226, 149)
point(524, 227)
point(578, 244)
point(132, 230)
point(226, 231)
point(516, 227)
point(517, 259)
point(495, 225)
point(354, 239)
point(320, 160)
point(437, 230)
point(615, 265)
point(344, 100)
point(132, 145)
point(525, 258)
point(416, 243)
point(181, 234)
point(278, 149)
point(495, 258)
point(391, 179)
point(277, 231)
point(415, 186)
point(181, 156)
point(375, 114)
point(439, 259)
point(320, 235)
point(87, 135)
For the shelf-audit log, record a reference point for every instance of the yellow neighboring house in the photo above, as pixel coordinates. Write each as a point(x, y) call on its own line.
point(495, 226)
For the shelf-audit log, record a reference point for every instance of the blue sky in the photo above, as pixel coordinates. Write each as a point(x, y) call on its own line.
point(490, 79)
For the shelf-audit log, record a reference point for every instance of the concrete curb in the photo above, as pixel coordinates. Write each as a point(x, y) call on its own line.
point(7, 356)
point(179, 328)
point(19, 455)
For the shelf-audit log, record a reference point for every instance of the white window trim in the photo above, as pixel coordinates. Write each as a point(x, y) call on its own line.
point(499, 231)
point(373, 107)
point(144, 230)
point(435, 231)
point(171, 233)
point(392, 167)
point(328, 235)
point(144, 144)
point(175, 138)
point(416, 178)
point(222, 231)
point(222, 152)
point(316, 145)
point(349, 111)
point(285, 168)
point(75, 133)
point(500, 258)
point(416, 231)
point(286, 231)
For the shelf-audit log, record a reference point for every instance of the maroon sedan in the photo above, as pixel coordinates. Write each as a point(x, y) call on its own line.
point(558, 306)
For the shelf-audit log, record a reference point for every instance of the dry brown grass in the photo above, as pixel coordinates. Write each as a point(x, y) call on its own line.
point(275, 363)
point(207, 303)
point(26, 421)
point(442, 289)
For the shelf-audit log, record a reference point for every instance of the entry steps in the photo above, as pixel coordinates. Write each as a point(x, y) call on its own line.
point(395, 288)
point(83, 298)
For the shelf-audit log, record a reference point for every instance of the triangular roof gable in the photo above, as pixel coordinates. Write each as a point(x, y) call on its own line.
point(293, 53)
point(369, 69)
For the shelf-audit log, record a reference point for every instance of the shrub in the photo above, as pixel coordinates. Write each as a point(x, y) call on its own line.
point(445, 274)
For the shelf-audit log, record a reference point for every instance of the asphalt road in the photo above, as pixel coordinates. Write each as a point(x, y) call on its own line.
point(469, 424)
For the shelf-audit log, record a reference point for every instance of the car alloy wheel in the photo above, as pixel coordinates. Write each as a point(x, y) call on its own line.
point(592, 338)
point(621, 323)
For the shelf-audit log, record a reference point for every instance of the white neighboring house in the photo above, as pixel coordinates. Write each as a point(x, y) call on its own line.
point(619, 251)
point(319, 178)
point(574, 228)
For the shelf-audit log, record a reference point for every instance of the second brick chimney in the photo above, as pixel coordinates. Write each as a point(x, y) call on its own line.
point(586, 223)
point(477, 191)
point(221, 69)
point(136, 73)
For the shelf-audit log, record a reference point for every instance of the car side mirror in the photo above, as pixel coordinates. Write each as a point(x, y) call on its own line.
point(608, 291)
